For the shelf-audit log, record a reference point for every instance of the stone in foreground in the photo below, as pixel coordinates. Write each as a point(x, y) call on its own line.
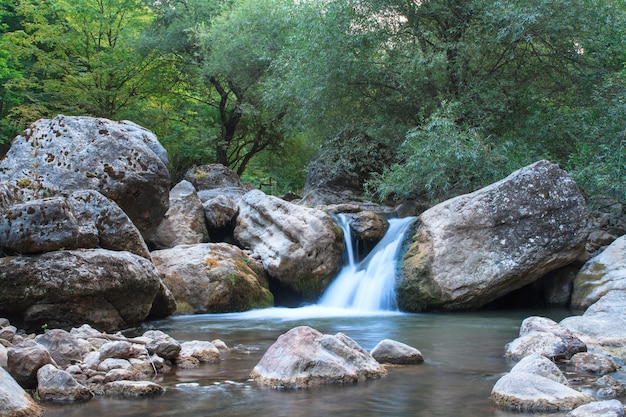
point(14, 401)
point(610, 408)
point(304, 357)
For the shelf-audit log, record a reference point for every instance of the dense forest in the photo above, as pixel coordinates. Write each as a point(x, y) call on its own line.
point(420, 98)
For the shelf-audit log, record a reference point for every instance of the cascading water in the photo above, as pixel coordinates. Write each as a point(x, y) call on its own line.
point(368, 285)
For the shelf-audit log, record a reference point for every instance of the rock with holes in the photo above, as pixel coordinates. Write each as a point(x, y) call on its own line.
point(304, 357)
point(475, 248)
point(298, 246)
point(121, 160)
point(213, 278)
point(184, 222)
point(110, 290)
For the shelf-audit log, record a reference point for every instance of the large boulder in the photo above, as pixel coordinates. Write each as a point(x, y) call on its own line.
point(603, 325)
point(64, 347)
point(184, 222)
point(299, 246)
point(304, 357)
point(601, 274)
point(475, 248)
point(543, 336)
point(213, 278)
point(14, 401)
point(536, 385)
point(109, 289)
point(121, 160)
point(84, 219)
point(208, 177)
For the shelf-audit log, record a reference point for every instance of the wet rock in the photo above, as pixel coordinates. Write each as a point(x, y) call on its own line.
point(594, 363)
point(162, 344)
point(535, 384)
point(602, 327)
point(56, 385)
point(604, 273)
point(121, 160)
point(608, 387)
point(202, 350)
point(544, 336)
point(184, 222)
point(213, 278)
point(391, 351)
point(64, 348)
point(367, 226)
point(14, 401)
point(298, 246)
point(132, 389)
point(304, 357)
point(475, 248)
point(109, 289)
point(610, 408)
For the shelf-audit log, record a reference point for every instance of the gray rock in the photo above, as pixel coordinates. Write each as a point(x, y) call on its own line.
point(543, 336)
point(208, 177)
point(604, 273)
point(540, 365)
point(475, 248)
point(123, 161)
point(609, 408)
point(213, 278)
point(304, 357)
point(25, 359)
point(132, 389)
point(56, 385)
point(113, 363)
point(298, 246)
point(367, 226)
point(202, 350)
point(162, 344)
point(391, 351)
point(602, 327)
point(220, 211)
point(184, 222)
point(64, 348)
point(594, 363)
point(608, 387)
point(14, 401)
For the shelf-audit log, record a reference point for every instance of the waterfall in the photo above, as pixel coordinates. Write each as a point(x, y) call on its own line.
point(368, 285)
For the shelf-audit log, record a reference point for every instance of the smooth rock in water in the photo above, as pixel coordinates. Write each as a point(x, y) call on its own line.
point(300, 247)
point(202, 350)
point(64, 348)
point(540, 365)
point(304, 357)
point(391, 351)
point(25, 359)
point(608, 387)
point(475, 248)
point(609, 408)
point(162, 344)
point(604, 273)
point(528, 392)
point(213, 278)
point(14, 401)
point(108, 289)
point(602, 327)
point(184, 222)
point(132, 389)
point(56, 385)
point(594, 363)
point(121, 160)
point(544, 336)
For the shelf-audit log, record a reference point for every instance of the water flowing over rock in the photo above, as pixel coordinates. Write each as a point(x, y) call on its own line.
point(475, 248)
point(298, 246)
point(121, 160)
point(603, 325)
point(304, 357)
point(109, 289)
point(14, 401)
point(601, 274)
point(184, 222)
point(535, 384)
point(213, 278)
point(132, 389)
point(543, 336)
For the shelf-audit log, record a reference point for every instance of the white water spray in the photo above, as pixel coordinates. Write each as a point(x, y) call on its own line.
point(370, 284)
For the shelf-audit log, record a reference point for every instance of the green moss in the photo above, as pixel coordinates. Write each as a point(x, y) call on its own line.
point(24, 182)
point(183, 307)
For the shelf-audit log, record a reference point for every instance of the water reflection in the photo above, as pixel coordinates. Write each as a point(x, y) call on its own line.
point(463, 359)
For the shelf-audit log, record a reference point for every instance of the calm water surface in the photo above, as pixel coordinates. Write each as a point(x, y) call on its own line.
point(463, 359)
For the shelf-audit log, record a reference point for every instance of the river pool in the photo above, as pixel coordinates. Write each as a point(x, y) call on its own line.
point(463, 359)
